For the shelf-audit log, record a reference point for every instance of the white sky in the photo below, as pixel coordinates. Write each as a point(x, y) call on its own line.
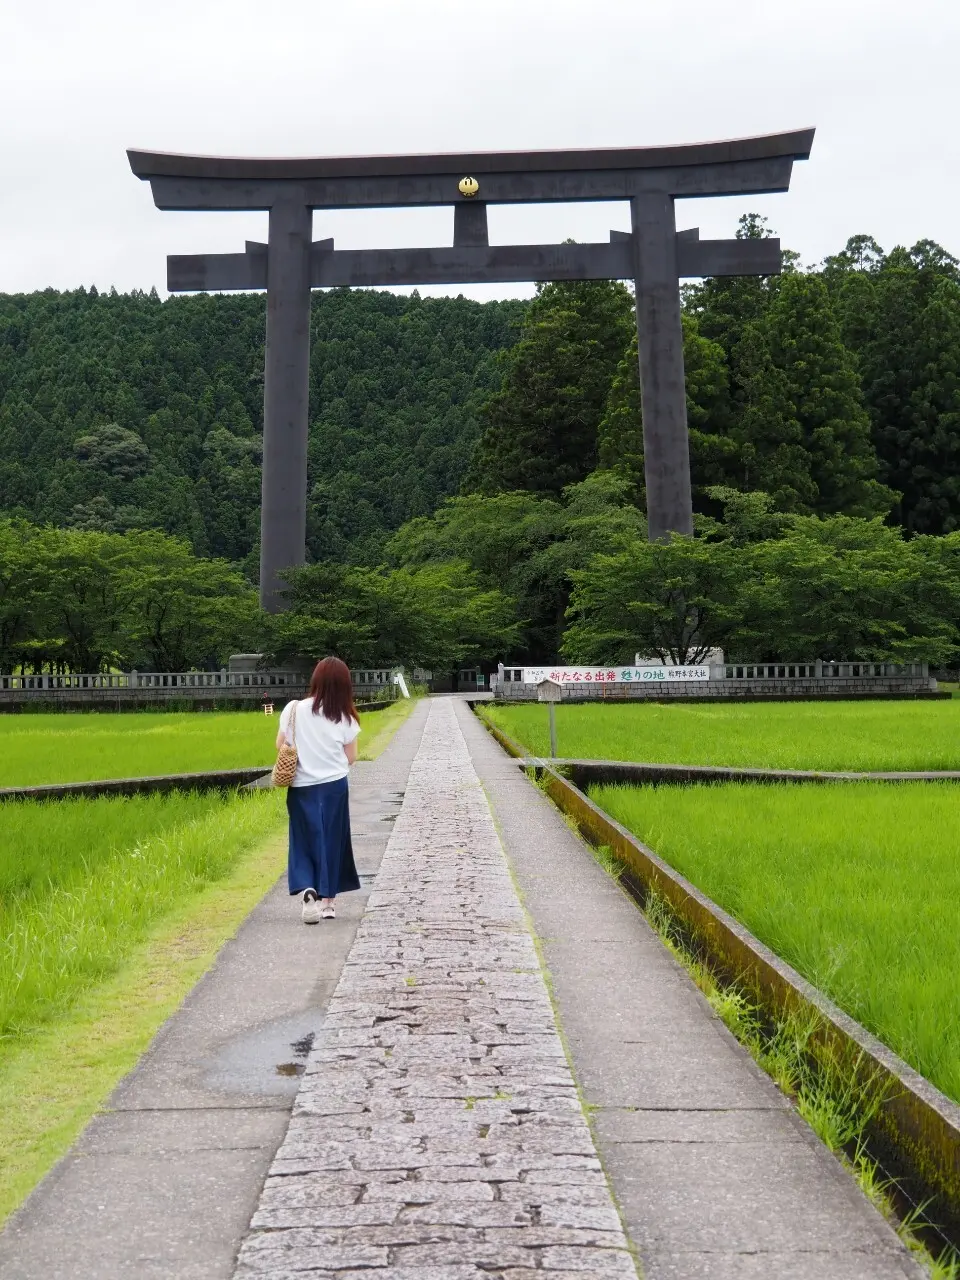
point(81, 82)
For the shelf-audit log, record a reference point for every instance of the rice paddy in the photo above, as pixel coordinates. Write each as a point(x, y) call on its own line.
point(85, 747)
point(858, 736)
point(855, 885)
point(82, 881)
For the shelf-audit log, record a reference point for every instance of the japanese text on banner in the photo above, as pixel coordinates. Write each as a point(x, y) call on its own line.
point(612, 675)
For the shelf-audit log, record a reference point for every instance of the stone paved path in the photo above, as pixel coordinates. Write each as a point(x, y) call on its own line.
point(438, 1133)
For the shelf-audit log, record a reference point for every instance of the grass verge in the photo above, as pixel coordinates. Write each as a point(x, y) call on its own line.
point(858, 736)
point(380, 726)
point(82, 882)
point(54, 1080)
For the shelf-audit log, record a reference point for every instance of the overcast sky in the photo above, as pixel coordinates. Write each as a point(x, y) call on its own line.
point(81, 82)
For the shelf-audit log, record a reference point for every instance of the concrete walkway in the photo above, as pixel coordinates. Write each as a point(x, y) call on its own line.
point(438, 1131)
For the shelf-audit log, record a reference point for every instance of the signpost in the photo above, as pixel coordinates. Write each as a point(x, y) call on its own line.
point(550, 692)
point(653, 254)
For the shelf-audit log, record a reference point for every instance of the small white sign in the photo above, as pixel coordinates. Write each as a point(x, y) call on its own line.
point(613, 675)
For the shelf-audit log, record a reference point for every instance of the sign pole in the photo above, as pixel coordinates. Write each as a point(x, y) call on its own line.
point(550, 692)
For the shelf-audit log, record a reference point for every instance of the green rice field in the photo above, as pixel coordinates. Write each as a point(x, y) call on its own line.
point(858, 736)
point(82, 881)
point(856, 885)
point(38, 749)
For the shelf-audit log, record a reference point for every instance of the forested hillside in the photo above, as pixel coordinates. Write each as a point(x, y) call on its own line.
point(122, 411)
point(475, 482)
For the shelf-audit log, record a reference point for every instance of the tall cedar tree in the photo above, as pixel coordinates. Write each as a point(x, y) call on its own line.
point(821, 383)
point(725, 305)
point(540, 430)
point(798, 422)
point(901, 314)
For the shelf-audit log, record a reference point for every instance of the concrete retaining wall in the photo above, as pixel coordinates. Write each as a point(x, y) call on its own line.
point(585, 773)
point(800, 689)
point(220, 780)
point(15, 702)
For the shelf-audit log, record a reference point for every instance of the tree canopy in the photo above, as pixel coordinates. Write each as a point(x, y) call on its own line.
point(78, 600)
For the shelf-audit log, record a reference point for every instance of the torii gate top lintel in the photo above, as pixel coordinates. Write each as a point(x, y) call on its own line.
point(653, 254)
point(761, 163)
point(149, 164)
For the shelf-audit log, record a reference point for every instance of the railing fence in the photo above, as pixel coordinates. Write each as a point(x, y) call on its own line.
point(379, 680)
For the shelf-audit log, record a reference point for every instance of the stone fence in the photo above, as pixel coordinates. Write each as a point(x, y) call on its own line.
point(744, 681)
point(141, 689)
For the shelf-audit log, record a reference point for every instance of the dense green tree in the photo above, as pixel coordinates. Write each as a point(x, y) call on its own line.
point(672, 600)
point(540, 431)
point(798, 421)
point(845, 588)
point(822, 386)
point(900, 314)
point(183, 612)
point(435, 616)
point(21, 589)
point(113, 450)
point(86, 600)
point(725, 305)
point(770, 452)
point(807, 588)
point(527, 546)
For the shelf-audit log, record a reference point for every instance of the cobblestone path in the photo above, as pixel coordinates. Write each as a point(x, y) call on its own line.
point(438, 1134)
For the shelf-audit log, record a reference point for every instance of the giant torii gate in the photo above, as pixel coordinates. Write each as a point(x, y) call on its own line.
point(654, 255)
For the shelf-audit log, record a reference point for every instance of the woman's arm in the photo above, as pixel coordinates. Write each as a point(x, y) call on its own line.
point(350, 751)
point(285, 715)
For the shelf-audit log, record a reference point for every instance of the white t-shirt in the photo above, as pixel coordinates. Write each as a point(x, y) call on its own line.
point(320, 743)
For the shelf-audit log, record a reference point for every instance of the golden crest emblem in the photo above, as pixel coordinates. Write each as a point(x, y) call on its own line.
point(468, 187)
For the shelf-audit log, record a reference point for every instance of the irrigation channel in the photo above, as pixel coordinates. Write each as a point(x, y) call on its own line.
point(910, 1130)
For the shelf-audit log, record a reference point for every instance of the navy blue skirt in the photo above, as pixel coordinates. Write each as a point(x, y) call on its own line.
point(321, 851)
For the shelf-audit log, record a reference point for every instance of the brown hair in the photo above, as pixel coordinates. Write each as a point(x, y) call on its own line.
point(332, 690)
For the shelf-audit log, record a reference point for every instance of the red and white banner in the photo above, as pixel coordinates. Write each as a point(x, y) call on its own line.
point(612, 675)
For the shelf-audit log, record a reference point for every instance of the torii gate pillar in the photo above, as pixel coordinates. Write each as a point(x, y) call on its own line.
point(286, 391)
point(663, 394)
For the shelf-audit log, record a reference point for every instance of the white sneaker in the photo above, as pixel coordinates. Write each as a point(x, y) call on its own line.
point(310, 912)
point(328, 913)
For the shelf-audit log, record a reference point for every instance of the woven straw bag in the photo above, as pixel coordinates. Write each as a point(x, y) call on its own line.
point(285, 770)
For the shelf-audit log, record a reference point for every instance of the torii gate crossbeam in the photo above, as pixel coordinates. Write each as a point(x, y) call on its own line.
point(653, 254)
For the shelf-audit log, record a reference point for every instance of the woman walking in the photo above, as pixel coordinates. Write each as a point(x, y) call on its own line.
point(323, 727)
